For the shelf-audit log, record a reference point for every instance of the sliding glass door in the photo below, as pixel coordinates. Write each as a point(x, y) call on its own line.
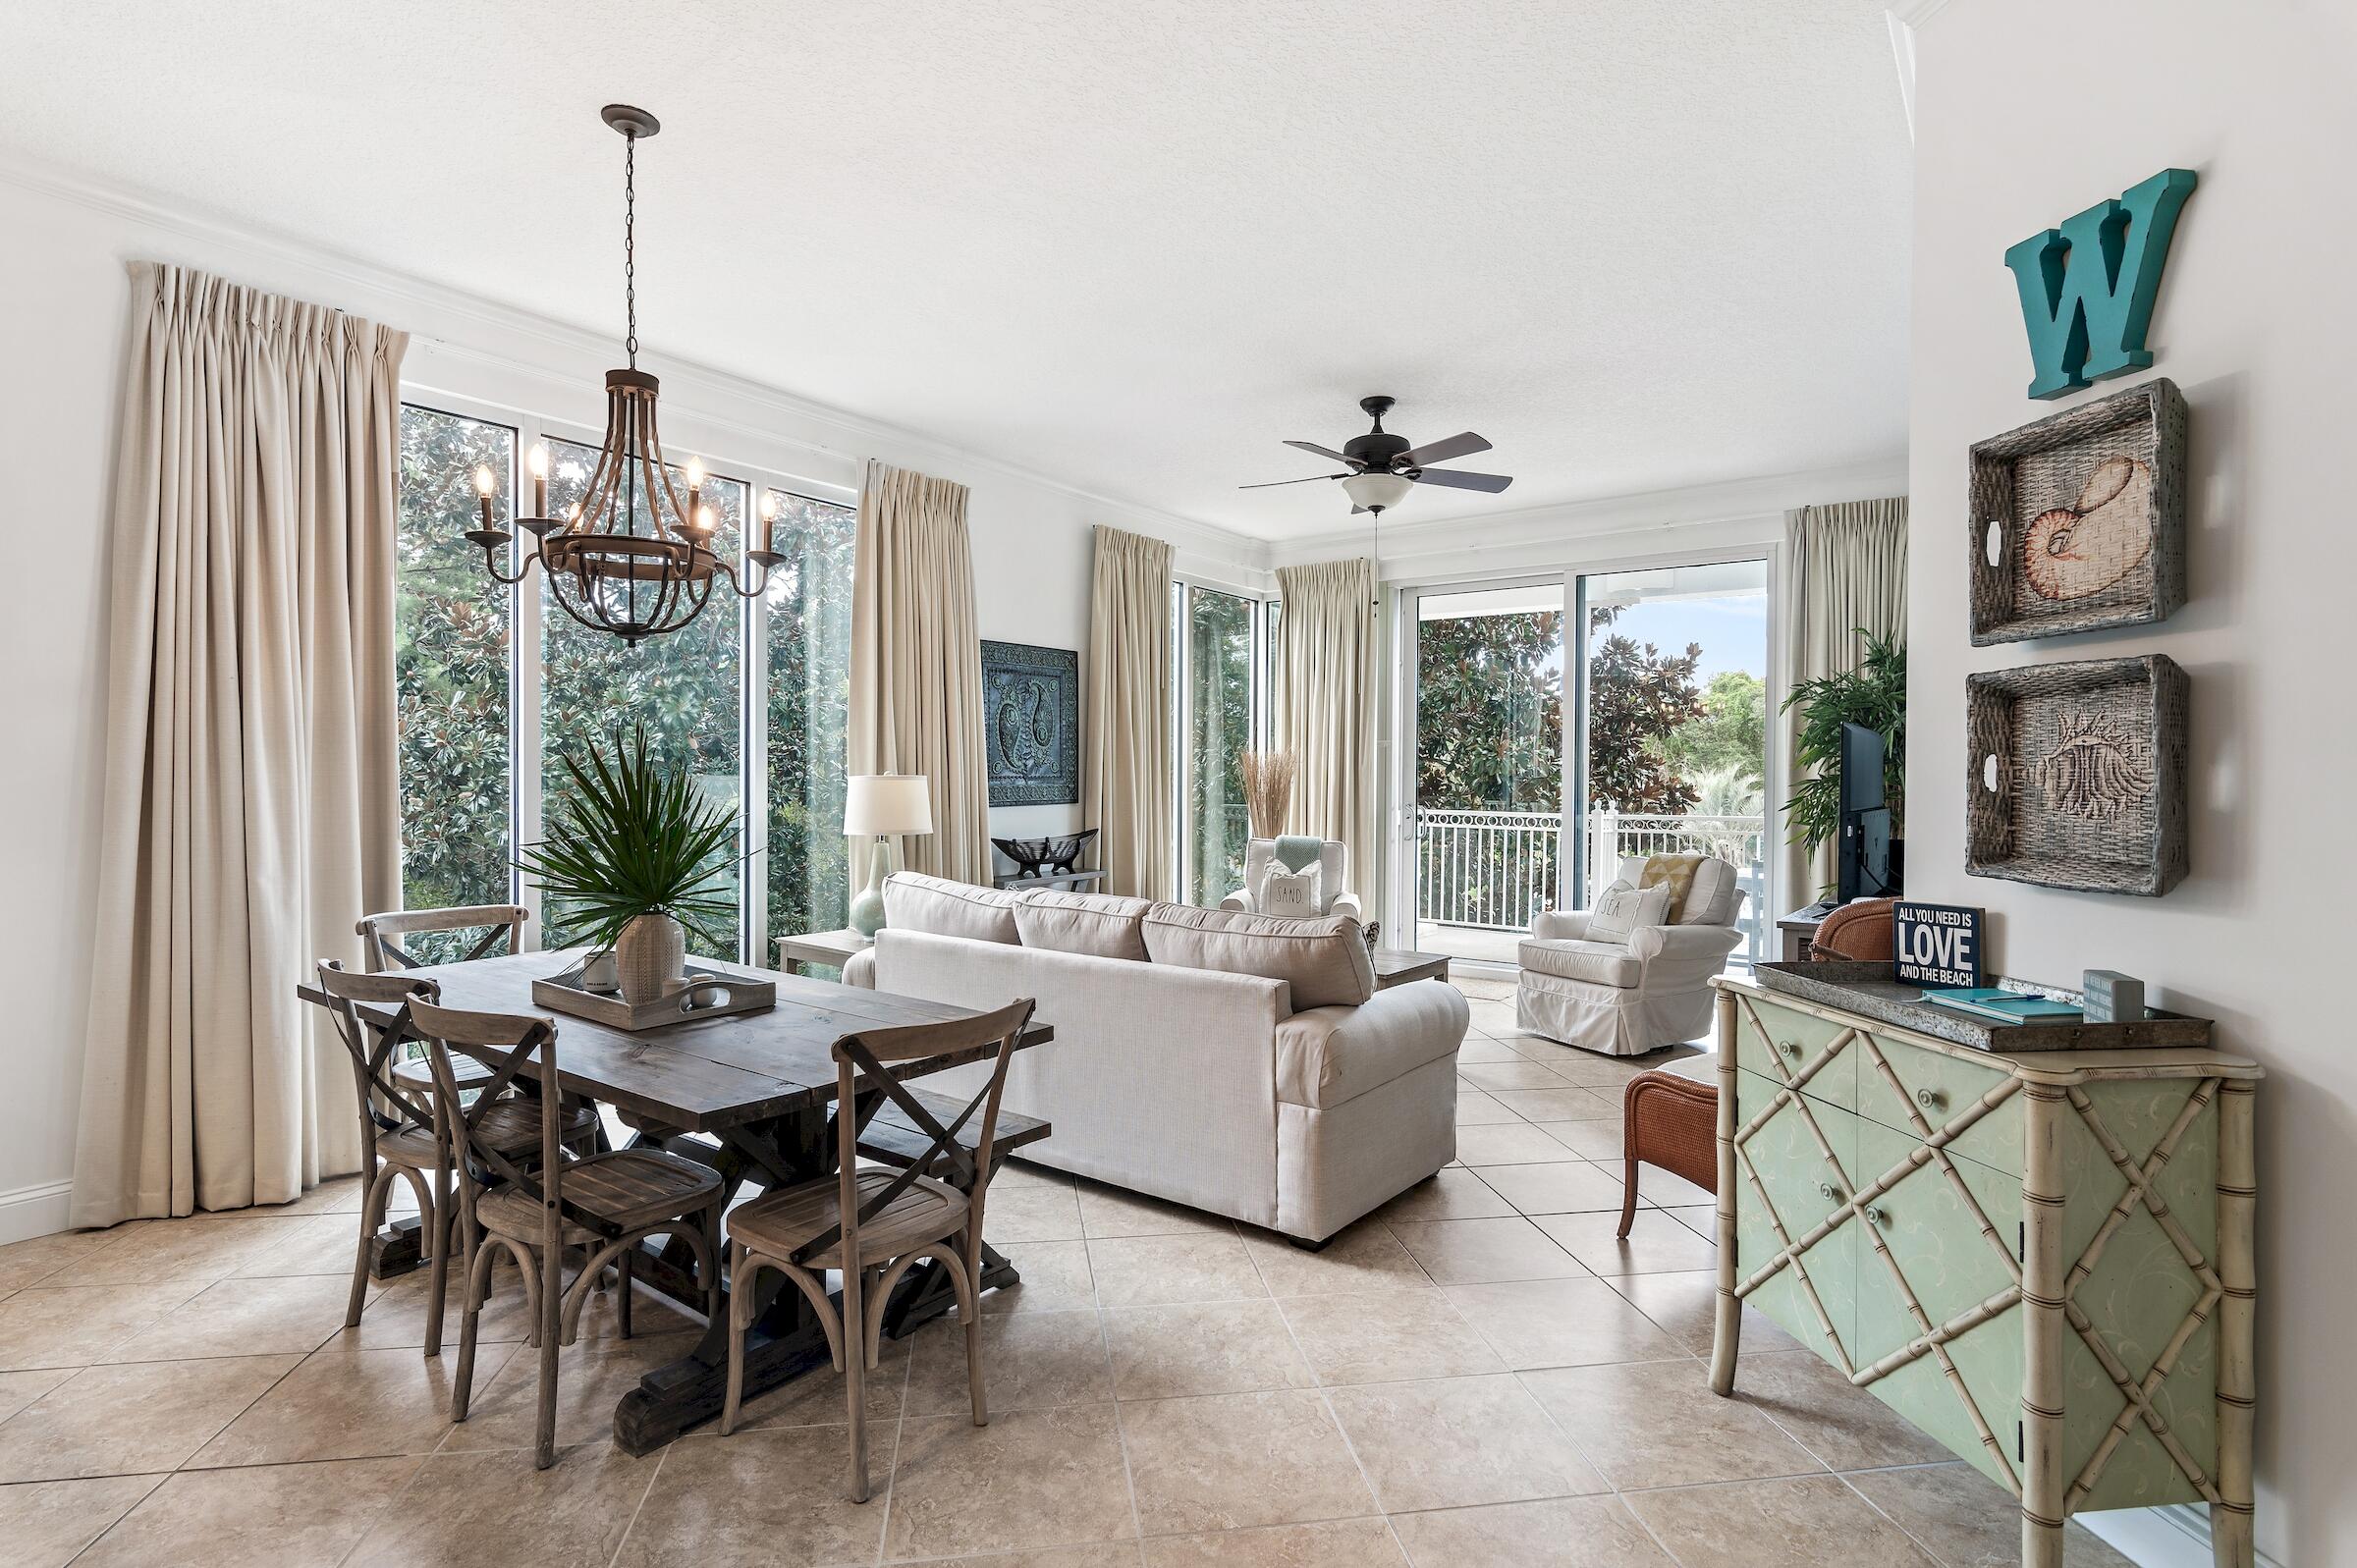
point(1487, 796)
point(1541, 760)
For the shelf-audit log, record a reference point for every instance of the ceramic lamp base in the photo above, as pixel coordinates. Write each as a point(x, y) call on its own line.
point(868, 909)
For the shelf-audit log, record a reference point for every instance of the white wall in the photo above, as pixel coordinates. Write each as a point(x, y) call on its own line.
point(2027, 112)
point(62, 270)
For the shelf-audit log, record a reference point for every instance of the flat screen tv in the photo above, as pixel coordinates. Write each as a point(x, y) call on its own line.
point(1862, 858)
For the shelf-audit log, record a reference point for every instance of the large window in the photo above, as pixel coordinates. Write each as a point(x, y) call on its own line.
point(809, 645)
point(467, 688)
point(451, 636)
point(1219, 644)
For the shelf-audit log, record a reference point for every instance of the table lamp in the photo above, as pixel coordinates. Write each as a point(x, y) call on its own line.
point(882, 805)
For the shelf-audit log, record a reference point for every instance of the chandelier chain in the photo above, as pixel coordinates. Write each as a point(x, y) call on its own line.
point(630, 240)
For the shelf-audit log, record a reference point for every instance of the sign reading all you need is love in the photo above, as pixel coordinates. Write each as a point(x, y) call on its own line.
point(1937, 945)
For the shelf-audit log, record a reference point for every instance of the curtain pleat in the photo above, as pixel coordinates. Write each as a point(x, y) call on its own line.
point(1847, 572)
point(1125, 774)
point(1327, 676)
point(250, 812)
point(916, 663)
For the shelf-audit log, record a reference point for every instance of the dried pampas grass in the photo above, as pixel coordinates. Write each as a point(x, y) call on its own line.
point(1268, 788)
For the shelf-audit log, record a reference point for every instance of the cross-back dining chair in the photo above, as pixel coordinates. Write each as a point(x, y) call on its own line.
point(602, 1204)
point(875, 1225)
point(499, 922)
point(400, 1139)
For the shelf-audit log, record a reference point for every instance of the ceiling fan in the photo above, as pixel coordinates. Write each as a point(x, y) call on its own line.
point(1380, 465)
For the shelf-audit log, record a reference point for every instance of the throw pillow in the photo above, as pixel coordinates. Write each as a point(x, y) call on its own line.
point(1620, 909)
point(1293, 893)
point(1675, 872)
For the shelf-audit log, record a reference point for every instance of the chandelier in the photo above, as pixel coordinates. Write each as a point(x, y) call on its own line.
point(629, 557)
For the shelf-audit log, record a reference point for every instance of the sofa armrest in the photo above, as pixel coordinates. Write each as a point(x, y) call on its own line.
point(1240, 901)
point(859, 969)
point(1559, 925)
point(1326, 1055)
point(1347, 903)
point(1681, 947)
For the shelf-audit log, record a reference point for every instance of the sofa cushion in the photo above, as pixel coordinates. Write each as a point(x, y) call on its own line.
point(1097, 924)
point(1327, 1056)
point(1598, 963)
point(946, 909)
point(1325, 960)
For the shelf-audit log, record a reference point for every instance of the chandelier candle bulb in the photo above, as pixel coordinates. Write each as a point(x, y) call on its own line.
point(537, 461)
point(482, 491)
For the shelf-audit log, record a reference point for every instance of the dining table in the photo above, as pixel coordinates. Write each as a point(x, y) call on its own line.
point(750, 1095)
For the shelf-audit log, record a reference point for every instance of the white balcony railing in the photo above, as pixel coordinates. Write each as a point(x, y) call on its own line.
point(1495, 870)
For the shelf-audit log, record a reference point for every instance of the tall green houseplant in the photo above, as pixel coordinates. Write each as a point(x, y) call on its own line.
point(1872, 694)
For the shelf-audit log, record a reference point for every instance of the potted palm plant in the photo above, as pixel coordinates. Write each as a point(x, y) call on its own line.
point(637, 858)
point(1872, 694)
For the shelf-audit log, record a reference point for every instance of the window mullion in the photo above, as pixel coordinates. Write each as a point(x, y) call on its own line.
point(524, 687)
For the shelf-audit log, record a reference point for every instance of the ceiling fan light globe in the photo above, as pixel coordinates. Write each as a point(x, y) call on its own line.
point(1373, 490)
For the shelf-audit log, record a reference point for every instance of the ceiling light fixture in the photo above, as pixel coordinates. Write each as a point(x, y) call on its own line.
point(603, 571)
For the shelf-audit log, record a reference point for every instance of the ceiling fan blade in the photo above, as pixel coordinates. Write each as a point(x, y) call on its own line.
point(1458, 445)
point(1355, 510)
point(1326, 452)
point(1460, 479)
point(1271, 484)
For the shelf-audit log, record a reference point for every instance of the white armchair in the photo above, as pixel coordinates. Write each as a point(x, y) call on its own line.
point(1334, 877)
point(1624, 999)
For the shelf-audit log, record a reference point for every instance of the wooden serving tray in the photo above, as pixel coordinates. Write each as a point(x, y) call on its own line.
point(1868, 989)
point(704, 993)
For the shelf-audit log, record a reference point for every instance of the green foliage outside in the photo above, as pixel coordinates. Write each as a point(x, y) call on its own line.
point(1639, 698)
point(1490, 713)
point(1730, 736)
point(1219, 732)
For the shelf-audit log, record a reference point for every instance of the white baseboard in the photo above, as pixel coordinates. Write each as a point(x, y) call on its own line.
point(30, 1211)
point(2175, 1536)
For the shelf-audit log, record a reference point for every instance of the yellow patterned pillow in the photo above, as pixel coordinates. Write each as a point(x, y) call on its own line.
point(1678, 873)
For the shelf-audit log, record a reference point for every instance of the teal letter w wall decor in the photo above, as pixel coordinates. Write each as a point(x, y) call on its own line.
point(2087, 288)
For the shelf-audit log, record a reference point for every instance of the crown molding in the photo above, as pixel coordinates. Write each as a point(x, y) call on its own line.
point(845, 436)
point(1419, 542)
point(1904, 16)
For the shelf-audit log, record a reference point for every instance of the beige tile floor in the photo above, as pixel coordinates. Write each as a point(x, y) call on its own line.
point(1478, 1375)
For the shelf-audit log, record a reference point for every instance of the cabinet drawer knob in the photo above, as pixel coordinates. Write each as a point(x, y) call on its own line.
point(1929, 1099)
point(1790, 1048)
point(1829, 1192)
point(1876, 1215)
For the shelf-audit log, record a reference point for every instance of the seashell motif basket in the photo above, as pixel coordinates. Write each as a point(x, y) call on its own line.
point(2078, 521)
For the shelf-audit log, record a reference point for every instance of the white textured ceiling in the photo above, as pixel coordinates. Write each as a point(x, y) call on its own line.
point(1638, 244)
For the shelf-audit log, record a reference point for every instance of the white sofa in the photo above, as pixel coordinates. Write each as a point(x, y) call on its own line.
point(1233, 1063)
point(1334, 877)
point(1623, 999)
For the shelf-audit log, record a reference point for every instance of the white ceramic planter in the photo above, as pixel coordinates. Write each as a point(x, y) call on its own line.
point(650, 957)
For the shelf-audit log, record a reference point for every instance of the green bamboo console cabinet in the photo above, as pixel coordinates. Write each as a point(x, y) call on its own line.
point(2043, 1259)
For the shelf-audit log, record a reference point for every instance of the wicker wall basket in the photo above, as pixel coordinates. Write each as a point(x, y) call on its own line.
point(2077, 775)
point(2078, 521)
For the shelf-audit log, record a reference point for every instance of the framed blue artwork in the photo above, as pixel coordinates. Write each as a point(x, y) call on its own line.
point(1031, 724)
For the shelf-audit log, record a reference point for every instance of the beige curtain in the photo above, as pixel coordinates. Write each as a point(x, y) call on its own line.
point(1327, 676)
point(250, 808)
point(916, 663)
point(1846, 570)
point(1125, 776)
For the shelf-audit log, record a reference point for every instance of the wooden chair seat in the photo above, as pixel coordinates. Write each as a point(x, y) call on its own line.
point(628, 1188)
point(780, 1224)
point(512, 1127)
point(894, 1139)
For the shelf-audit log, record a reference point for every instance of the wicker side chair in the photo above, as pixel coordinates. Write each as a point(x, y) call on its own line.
point(1671, 1121)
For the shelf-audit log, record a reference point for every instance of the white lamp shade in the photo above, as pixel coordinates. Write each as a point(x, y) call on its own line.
point(1373, 489)
point(884, 803)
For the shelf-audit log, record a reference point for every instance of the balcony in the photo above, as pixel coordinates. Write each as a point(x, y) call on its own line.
point(1481, 875)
